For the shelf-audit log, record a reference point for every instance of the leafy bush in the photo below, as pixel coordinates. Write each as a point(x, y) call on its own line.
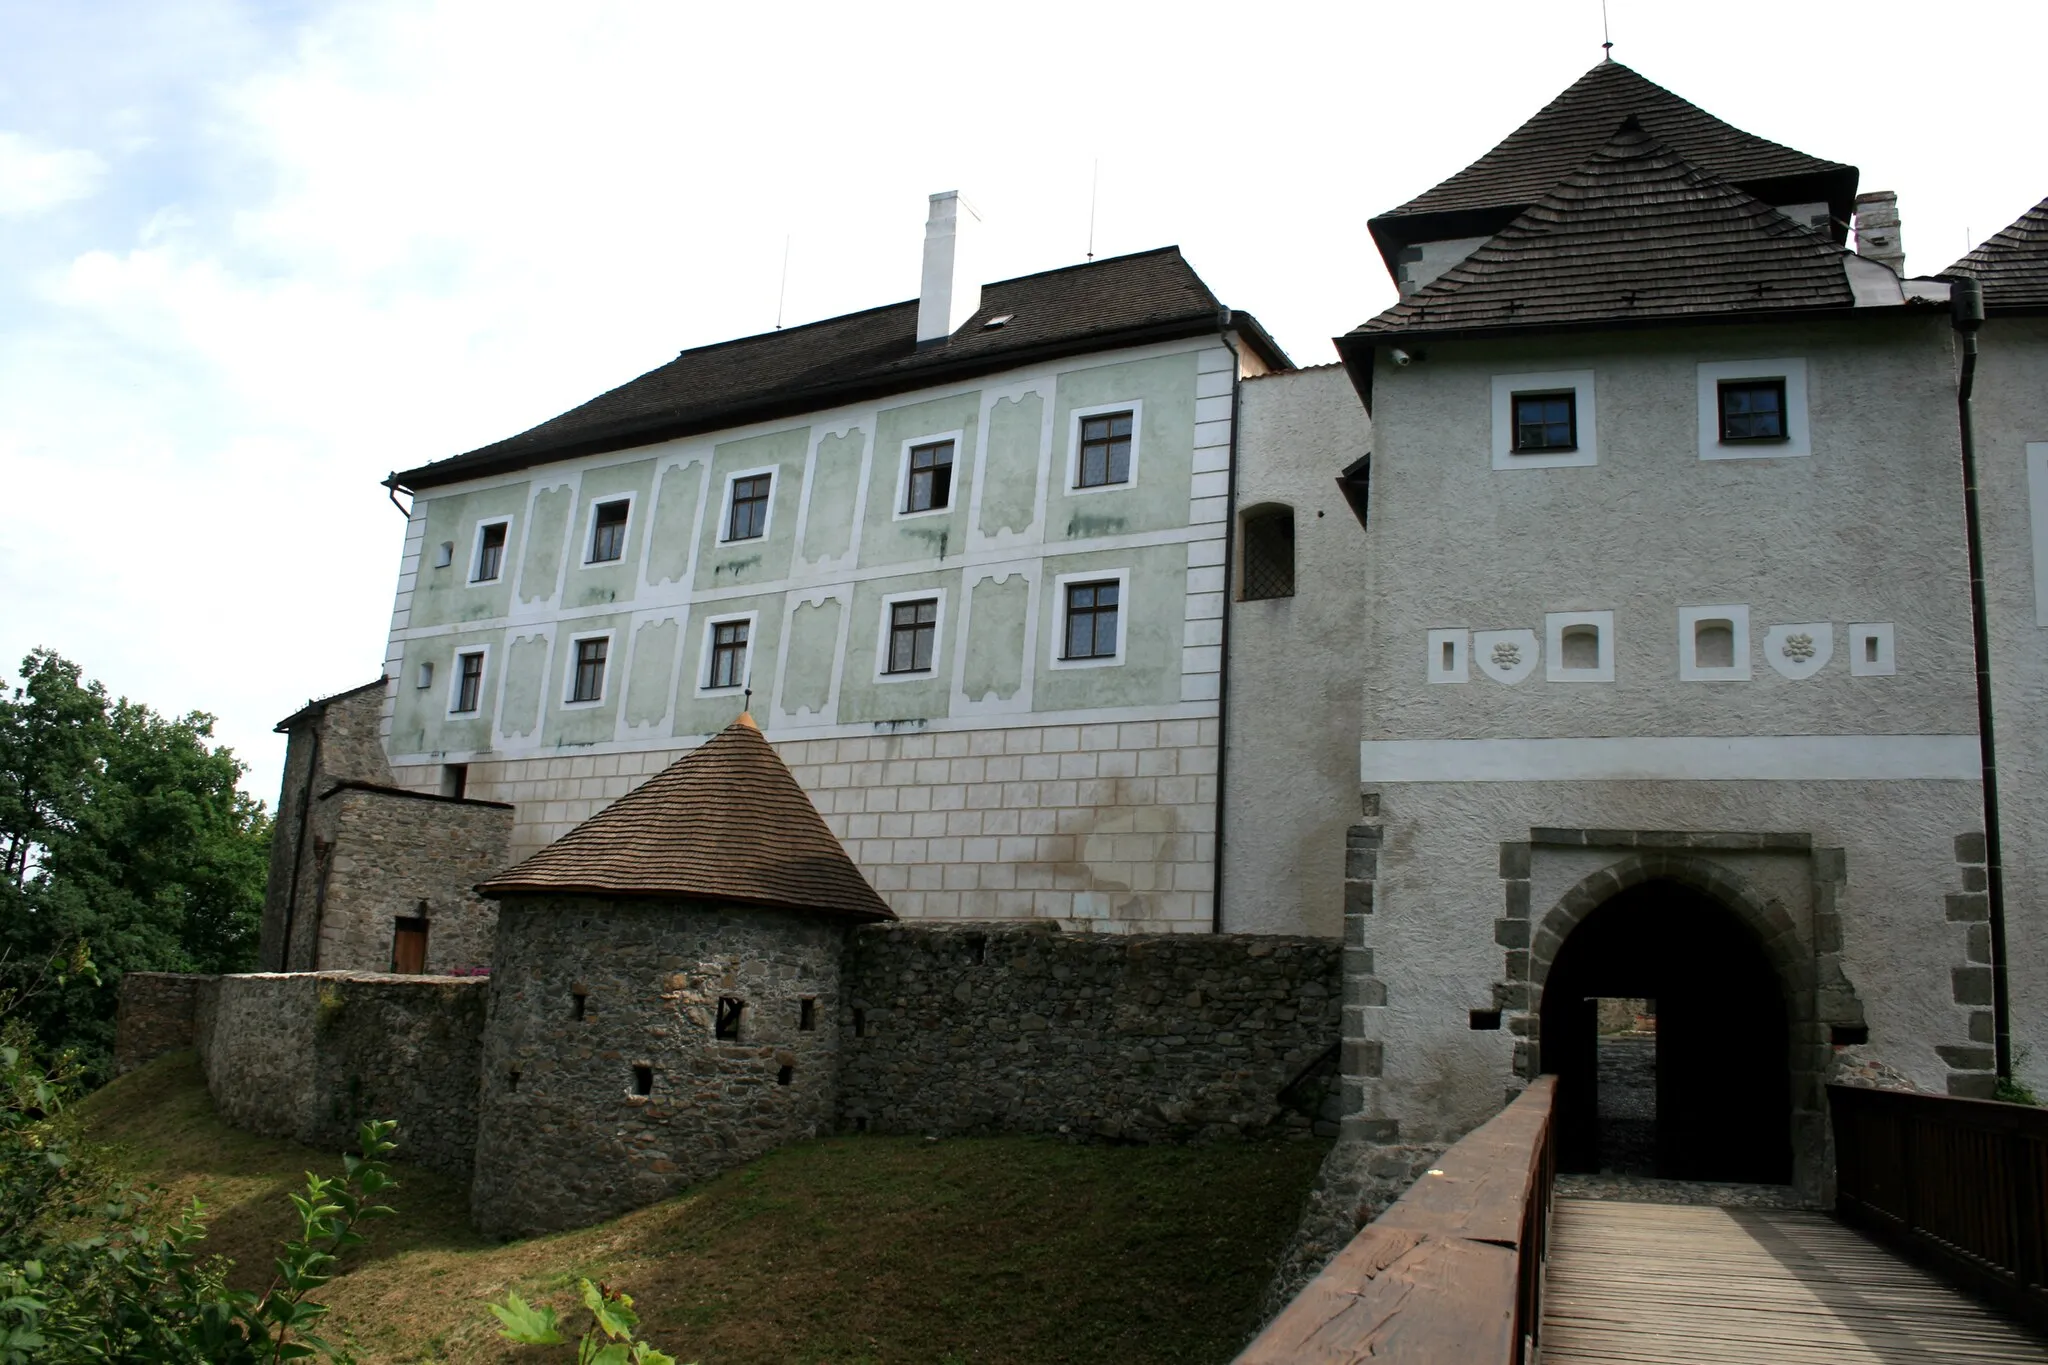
point(609, 1341)
point(95, 1270)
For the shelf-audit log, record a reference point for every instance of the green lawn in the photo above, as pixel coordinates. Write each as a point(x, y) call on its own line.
point(843, 1250)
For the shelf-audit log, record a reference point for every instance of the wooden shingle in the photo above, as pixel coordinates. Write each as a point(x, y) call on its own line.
point(2012, 266)
point(726, 822)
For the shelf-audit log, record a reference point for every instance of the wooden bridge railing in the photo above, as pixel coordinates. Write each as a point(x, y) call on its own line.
point(1452, 1272)
point(1958, 1185)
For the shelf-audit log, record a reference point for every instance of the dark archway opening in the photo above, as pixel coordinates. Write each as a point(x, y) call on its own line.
point(1723, 1074)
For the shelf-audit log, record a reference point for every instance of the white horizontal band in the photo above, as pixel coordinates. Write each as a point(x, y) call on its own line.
point(1776, 758)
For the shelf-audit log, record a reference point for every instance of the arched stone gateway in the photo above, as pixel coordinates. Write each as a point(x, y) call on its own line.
point(1743, 1040)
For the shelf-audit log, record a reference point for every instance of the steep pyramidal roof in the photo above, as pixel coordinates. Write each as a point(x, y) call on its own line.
point(1125, 300)
point(725, 822)
point(2012, 266)
point(1478, 200)
point(1635, 232)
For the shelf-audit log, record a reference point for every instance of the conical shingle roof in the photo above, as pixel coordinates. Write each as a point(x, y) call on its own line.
point(1636, 232)
point(1558, 138)
point(2012, 266)
point(725, 822)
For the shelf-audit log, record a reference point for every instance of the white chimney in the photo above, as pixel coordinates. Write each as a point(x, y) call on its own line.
point(952, 283)
point(1877, 229)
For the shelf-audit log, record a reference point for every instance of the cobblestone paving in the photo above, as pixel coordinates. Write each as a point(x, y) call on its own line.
point(1638, 1189)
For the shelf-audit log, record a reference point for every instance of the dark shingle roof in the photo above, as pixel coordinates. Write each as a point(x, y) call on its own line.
point(1153, 295)
point(2012, 266)
point(725, 822)
point(1635, 232)
point(1558, 138)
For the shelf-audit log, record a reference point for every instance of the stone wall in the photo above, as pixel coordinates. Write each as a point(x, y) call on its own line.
point(333, 740)
point(309, 1056)
point(406, 854)
point(1023, 1029)
point(604, 1085)
point(155, 1016)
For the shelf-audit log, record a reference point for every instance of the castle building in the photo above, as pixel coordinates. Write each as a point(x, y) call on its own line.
point(966, 554)
point(1667, 681)
point(1603, 627)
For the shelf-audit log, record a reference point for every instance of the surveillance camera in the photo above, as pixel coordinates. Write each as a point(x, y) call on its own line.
point(1401, 357)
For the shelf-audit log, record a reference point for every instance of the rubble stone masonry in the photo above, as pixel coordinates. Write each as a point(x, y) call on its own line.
point(401, 854)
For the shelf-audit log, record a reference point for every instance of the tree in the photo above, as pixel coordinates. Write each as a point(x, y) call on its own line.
point(124, 830)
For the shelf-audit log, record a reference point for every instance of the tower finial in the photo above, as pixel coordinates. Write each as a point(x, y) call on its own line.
point(1606, 38)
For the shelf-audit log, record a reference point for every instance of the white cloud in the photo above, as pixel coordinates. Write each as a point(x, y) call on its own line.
point(35, 178)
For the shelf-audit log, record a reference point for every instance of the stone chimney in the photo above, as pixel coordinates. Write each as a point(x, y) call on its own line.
point(1877, 230)
point(951, 291)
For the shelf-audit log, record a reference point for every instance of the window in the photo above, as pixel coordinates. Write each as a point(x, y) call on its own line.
point(608, 532)
point(490, 552)
point(409, 945)
point(913, 631)
point(1752, 410)
point(930, 486)
point(589, 680)
point(1105, 456)
point(1546, 421)
point(455, 780)
point(1091, 620)
point(469, 682)
point(807, 1014)
point(747, 519)
point(643, 1079)
point(728, 654)
point(1268, 554)
point(729, 1011)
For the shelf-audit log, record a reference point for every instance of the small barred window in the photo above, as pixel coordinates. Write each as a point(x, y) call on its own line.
point(1268, 554)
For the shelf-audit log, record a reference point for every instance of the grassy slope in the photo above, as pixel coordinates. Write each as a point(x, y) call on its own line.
point(843, 1250)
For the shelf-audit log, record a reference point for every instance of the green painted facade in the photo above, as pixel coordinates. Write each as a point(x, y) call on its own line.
point(839, 542)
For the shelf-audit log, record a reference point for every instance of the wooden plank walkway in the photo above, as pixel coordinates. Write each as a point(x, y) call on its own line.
point(1666, 1284)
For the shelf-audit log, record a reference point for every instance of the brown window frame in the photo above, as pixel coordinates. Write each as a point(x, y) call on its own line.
point(730, 641)
point(749, 507)
point(490, 551)
point(922, 634)
point(469, 682)
point(929, 486)
point(1776, 384)
point(592, 654)
point(1570, 398)
point(1098, 433)
point(1093, 611)
point(608, 530)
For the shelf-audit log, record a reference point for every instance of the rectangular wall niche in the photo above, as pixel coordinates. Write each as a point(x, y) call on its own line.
point(1870, 650)
point(1578, 646)
point(729, 1011)
point(1713, 644)
point(1447, 655)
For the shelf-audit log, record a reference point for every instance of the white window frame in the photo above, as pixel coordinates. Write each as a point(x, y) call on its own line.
point(1459, 638)
point(1886, 663)
point(1798, 436)
point(1135, 407)
point(604, 686)
point(959, 440)
point(455, 679)
point(938, 669)
point(711, 624)
point(1689, 669)
point(774, 473)
point(1122, 579)
point(476, 552)
point(598, 500)
point(1555, 624)
point(1585, 419)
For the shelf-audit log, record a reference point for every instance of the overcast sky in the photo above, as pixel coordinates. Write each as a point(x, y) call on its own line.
point(255, 256)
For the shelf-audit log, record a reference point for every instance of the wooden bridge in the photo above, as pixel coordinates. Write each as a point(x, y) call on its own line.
point(1478, 1265)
